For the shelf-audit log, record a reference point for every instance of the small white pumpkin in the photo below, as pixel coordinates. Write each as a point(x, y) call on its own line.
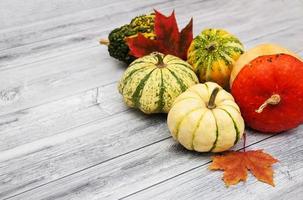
point(205, 118)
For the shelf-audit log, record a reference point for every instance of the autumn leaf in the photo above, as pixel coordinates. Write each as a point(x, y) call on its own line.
point(236, 164)
point(168, 38)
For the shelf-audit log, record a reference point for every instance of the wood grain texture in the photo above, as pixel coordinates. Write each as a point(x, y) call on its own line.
point(49, 119)
point(65, 133)
point(128, 173)
point(16, 14)
point(58, 18)
point(47, 80)
point(201, 183)
point(49, 158)
point(76, 33)
point(70, 32)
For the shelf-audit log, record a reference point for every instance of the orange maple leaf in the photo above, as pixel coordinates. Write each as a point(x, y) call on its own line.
point(235, 166)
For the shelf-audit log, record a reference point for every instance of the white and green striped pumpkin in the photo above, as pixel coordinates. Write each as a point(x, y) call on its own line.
point(153, 82)
point(205, 118)
point(212, 54)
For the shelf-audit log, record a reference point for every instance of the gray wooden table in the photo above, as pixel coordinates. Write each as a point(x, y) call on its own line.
point(65, 132)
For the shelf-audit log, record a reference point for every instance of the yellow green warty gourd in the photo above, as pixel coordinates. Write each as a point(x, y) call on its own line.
point(212, 54)
point(117, 46)
point(153, 82)
point(205, 118)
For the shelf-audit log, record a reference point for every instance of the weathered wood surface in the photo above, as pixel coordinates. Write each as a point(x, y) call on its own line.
point(199, 183)
point(65, 132)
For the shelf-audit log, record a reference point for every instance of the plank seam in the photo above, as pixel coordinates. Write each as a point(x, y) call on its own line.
point(89, 167)
point(59, 99)
point(126, 153)
point(97, 46)
point(189, 170)
point(96, 19)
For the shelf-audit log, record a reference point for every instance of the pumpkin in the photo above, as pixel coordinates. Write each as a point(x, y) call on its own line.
point(260, 50)
point(269, 92)
point(205, 118)
point(212, 55)
point(152, 83)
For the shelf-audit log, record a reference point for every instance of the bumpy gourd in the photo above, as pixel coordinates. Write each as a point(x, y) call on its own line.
point(117, 46)
point(212, 54)
point(205, 118)
point(153, 82)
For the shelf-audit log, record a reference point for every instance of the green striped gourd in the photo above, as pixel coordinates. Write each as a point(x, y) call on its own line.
point(212, 54)
point(153, 82)
point(205, 118)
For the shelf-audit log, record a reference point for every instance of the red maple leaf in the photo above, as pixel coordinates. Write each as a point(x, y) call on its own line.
point(168, 38)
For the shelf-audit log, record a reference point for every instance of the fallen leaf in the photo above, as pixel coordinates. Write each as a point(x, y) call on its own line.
point(236, 164)
point(168, 38)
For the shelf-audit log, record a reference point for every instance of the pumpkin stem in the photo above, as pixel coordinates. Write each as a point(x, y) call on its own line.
point(211, 102)
point(160, 63)
point(273, 100)
point(104, 42)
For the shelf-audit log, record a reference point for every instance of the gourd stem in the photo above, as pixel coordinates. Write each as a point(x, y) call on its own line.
point(160, 63)
point(212, 46)
point(273, 100)
point(104, 42)
point(211, 102)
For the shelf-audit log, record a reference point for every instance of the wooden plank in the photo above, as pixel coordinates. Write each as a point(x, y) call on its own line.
point(70, 33)
point(49, 80)
point(229, 16)
point(123, 175)
point(104, 16)
point(52, 118)
point(99, 26)
point(49, 158)
point(200, 183)
point(16, 14)
point(46, 81)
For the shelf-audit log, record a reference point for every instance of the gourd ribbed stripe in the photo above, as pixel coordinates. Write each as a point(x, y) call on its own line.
point(179, 123)
point(195, 130)
point(162, 89)
point(181, 84)
point(126, 79)
point(185, 70)
point(138, 92)
point(235, 126)
point(217, 135)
